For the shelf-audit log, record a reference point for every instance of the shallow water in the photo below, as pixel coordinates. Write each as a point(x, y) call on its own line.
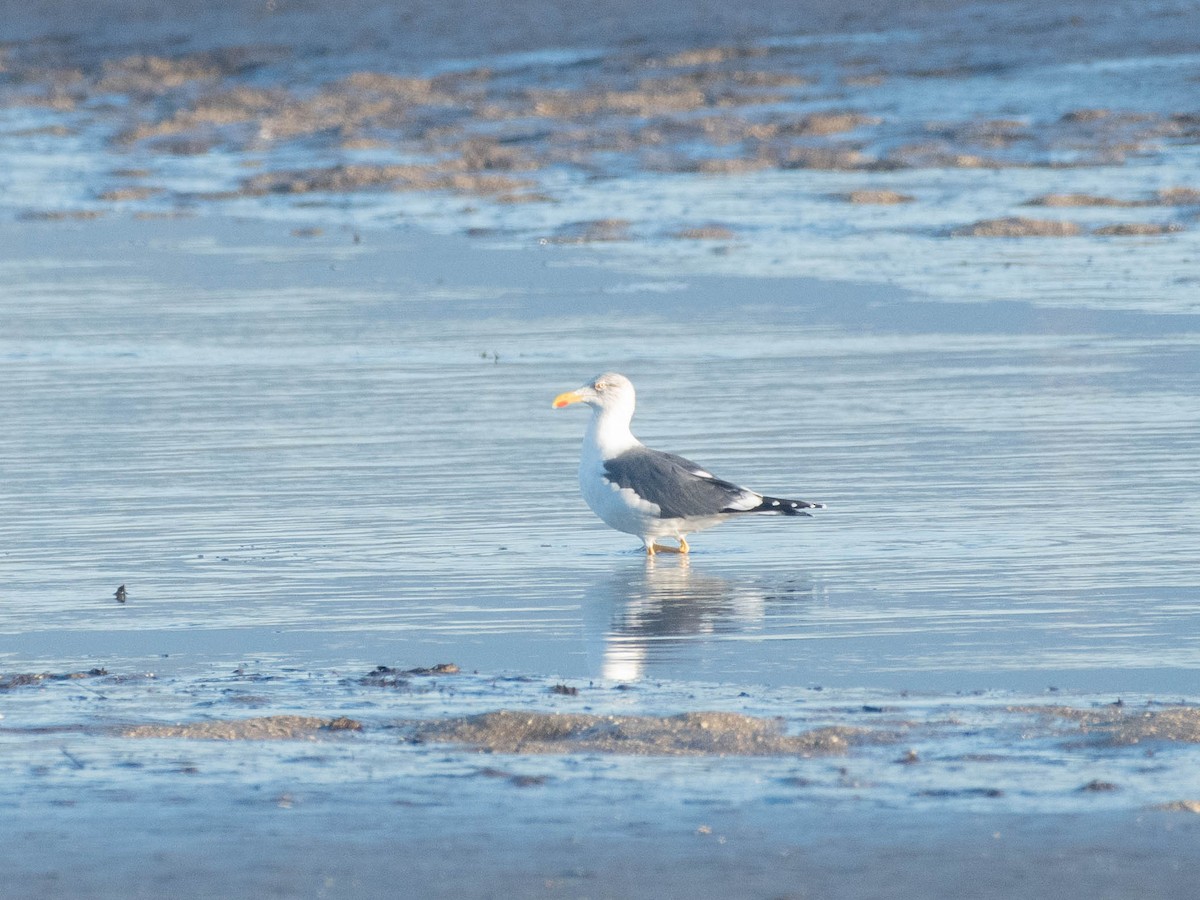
point(330, 466)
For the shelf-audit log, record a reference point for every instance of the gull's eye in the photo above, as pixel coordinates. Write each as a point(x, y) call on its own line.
point(600, 386)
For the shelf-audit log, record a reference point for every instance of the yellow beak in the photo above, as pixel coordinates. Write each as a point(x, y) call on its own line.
point(567, 399)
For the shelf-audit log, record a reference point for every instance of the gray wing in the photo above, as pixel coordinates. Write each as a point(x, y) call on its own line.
point(678, 486)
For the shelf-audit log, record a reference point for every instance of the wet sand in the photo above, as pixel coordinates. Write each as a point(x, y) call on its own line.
point(546, 801)
point(335, 111)
point(314, 850)
point(524, 732)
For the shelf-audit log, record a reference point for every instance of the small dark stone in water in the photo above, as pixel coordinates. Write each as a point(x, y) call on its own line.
point(518, 780)
point(384, 676)
point(962, 792)
point(387, 676)
point(120, 594)
point(872, 709)
point(1098, 786)
point(565, 689)
point(909, 758)
point(439, 669)
point(72, 758)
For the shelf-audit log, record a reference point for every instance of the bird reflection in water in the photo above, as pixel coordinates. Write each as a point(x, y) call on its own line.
point(650, 613)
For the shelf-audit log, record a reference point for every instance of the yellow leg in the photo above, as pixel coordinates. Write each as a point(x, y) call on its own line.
point(653, 548)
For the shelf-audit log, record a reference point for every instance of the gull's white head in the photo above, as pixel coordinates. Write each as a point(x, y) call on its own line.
point(609, 392)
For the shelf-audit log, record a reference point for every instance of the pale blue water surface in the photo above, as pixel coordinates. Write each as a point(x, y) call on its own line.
point(308, 450)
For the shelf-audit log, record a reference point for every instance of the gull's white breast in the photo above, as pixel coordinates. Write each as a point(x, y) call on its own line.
point(619, 508)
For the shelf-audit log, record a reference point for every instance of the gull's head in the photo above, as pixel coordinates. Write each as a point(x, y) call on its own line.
point(609, 391)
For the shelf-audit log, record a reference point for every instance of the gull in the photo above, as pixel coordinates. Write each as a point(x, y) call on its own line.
point(647, 492)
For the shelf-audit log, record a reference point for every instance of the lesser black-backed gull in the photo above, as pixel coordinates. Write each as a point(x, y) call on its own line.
point(647, 492)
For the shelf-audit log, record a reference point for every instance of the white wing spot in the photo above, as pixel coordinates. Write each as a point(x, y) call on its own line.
point(774, 502)
point(748, 500)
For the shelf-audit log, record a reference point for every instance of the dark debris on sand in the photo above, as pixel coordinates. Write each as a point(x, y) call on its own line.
point(388, 676)
point(26, 679)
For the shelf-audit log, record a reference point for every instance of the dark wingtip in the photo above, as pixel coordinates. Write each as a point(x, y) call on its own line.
point(786, 507)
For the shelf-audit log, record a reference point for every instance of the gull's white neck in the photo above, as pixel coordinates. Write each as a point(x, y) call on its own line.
point(608, 433)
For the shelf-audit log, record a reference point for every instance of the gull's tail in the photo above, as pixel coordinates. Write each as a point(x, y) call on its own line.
point(784, 507)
